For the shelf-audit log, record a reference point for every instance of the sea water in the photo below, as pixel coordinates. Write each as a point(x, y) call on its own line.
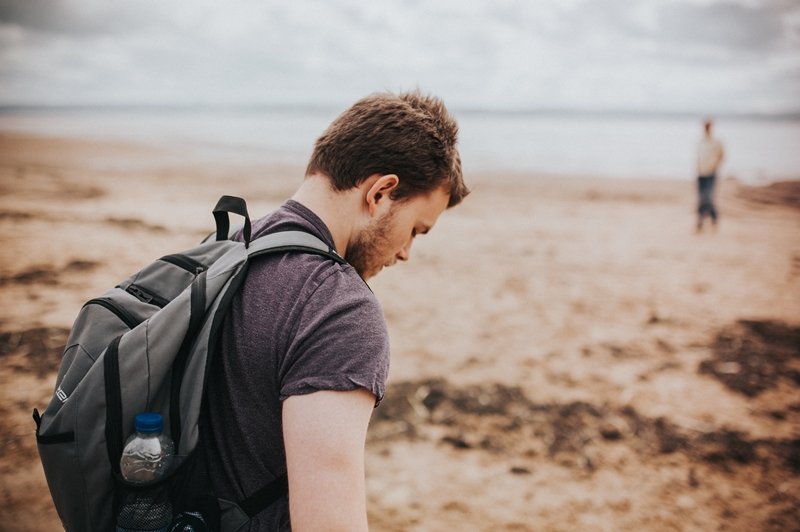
point(757, 149)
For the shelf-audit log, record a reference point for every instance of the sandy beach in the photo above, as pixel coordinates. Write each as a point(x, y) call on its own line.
point(568, 353)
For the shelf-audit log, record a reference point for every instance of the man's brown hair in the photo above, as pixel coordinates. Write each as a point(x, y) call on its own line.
point(408, 134)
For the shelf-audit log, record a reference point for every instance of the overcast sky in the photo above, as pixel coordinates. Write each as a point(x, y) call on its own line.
point(689, 56)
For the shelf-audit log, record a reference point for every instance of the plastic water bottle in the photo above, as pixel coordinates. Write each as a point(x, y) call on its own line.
point(148, 453)
point(146, 457)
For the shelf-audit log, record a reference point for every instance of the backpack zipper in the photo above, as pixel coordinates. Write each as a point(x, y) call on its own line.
point(187, 263)
point(146, 296)
point(118, 311)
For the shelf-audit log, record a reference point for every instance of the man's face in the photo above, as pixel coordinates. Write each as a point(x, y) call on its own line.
point(388, 238)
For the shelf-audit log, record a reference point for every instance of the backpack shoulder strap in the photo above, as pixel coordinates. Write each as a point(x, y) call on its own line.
point(292, 241)
point(265, 496)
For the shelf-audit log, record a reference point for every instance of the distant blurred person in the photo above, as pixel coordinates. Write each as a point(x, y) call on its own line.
point(709, 157)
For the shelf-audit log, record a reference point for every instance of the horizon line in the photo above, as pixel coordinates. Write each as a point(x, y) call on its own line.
point(456, 109)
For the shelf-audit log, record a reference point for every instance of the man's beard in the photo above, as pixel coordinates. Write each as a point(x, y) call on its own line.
point(366, 251)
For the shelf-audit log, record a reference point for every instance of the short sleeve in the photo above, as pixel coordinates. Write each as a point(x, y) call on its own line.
point(341, 341)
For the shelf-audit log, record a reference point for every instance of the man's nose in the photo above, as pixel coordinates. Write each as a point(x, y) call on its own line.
point(405, 251)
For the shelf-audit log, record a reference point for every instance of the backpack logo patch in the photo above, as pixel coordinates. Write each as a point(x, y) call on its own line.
point(62, 396)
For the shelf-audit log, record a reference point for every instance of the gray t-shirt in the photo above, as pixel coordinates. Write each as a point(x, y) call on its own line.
point(301, 323)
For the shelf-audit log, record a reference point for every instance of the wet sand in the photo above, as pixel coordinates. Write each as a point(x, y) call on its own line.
point(567, 353)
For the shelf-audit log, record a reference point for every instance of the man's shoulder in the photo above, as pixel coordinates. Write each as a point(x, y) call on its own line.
point(299, 266)
point(299, 276)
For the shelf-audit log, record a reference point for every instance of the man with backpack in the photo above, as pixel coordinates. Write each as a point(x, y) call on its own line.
point(303, 353)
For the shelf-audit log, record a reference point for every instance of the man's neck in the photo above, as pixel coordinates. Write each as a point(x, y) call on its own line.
point(336, 209)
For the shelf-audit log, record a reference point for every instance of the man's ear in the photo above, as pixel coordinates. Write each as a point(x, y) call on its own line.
point(378, 193)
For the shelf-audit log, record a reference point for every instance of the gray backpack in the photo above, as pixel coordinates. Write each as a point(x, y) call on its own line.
point(146, 346)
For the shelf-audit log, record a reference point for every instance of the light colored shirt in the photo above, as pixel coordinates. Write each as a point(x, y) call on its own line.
point(709, 156)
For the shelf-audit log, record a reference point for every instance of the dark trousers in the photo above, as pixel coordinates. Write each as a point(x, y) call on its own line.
point(705, 191)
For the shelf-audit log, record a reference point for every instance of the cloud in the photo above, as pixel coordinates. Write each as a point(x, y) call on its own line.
point(729, 26)
point(71, 17)
point(640, 54)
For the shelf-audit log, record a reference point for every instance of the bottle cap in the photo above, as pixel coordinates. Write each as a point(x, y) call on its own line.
point(149, 422)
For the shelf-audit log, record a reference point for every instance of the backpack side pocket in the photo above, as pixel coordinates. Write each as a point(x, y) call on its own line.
point(59, 453)
point(143, 507)
point(57, 445)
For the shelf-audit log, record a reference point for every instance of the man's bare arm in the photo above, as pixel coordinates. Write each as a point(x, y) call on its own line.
point(324, 434)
